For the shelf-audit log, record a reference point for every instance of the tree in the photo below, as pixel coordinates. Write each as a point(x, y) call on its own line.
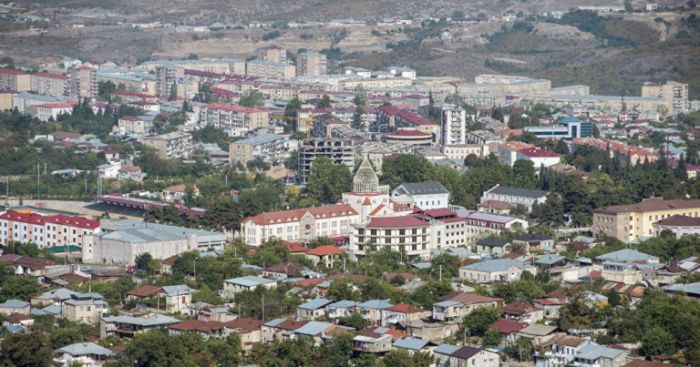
point(327, 181)
point(523, 349)
point(336, 351)
point(19, 287)
point(355, 320)
point(105, 90)
point(657, 341)
point(25, 350)
point(478, 321)
point(142, 260)
point(156, 348)
point(173, 92)
point(341, 290)
point(290, 114)
point(252, 98)
point(325, 101)
point(491, 338)
point(524, 174)
point(224, 353)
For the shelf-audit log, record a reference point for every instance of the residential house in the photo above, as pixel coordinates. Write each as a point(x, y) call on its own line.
point(279, 329)
point(341, 309)
point(403, 314)
point(371, 310)
point(177, 298)
point(248, 329)
point(413, 345)
point(376, 340)
point(454, 306)
point(327, 255)
point(245, 283)
point(538, 333)
point(534, 242)
point(312, 309)
point(86, 354)
point(128, 326)
point(87, 308)
point(491, 246)
point(470, 356)
point(508, 329)
point(499, 270)
point(14, 306)
point(523, 311)
point(205, 329)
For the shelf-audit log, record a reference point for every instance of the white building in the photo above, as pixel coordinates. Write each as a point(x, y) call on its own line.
point(122, 240)
point(515, 196)
point(246, 283)
point(299, 224)
point(454, 126)
point(491, 271)
point(425, 195)
point(539, 157)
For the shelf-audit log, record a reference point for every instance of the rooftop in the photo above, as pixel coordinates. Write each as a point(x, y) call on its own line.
point(651, 205)
point(517, 191)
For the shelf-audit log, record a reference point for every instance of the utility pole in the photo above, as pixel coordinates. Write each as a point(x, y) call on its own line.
point(263, 306)
point(440, 267)
point(38, 183)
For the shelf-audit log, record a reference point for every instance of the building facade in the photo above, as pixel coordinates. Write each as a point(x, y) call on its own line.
point(311, 63)
point(171, 145)
point(45, 231)
point(338, 151)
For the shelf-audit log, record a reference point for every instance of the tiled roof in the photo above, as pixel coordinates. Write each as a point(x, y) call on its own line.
point(405, 308)
point(505, 326)
point(466, 352)
point(538, 153)
point(12, 71)
point(43, 74)
point(325, 250)
point(650, 205)
point(294, 215)
point(244, 324)
point(147, 290)
point(469, 298)
point(680, 221)
point(407, 221)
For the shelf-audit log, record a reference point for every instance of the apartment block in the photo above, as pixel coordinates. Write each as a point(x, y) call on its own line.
point(270, 70)
point(454, 126)
point(171, 145)
point(82, 82)
point(311, 63)
point(272, 53)
point(674, 94)
point(270, 147)
point(235, 120)
point(634, 221)
point(45, 231)
point(338, 151)
point(14, 80)
point(50, 84)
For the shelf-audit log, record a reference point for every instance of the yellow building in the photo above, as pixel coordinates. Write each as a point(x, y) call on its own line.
point(631, 222)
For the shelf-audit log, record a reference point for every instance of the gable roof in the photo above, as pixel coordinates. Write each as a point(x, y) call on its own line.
point(468, 298)
point(294, 215)
point(421, 188)
point(244, 324)
point(325, 250)
point(517, 191)
point(626, 256)
point(147, 290)
point(466, 352)
point(498, 265)
point(506, 326)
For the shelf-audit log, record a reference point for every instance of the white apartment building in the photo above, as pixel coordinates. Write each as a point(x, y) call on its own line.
point(454, 126)
point(515, 196)
point(425, 195)
point(299, 224)
point(45, 231)
point(171, 145)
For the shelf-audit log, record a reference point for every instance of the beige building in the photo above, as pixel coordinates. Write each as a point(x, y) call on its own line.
point(233, 119)
point(84, 310)
point(272, 53)
point(674, 94)
point(14, 80)
point(49, 84)
point(270, 147)
point(311, 63)
point(6, 100)
point(171, 145)
point(631, 222)
point(270, 70)
point(82, 82)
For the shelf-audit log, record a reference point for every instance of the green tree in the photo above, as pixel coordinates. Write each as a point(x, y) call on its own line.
point(105, 90)
point(325, 101)
point(327, 181)
point(355, 320)
point(336, 351)
point(20, 287)
point(492, 338)
point(142, 260)
point(25, 350)
point(523, 349)
point(156, 348)
point(222, 352)
point(252, 98)
point(478, 321)
point(657, 341)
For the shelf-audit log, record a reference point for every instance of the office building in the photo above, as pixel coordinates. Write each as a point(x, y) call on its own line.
point(568, 128)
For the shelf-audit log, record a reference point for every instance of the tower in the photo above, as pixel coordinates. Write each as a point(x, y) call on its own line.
point(365, 179)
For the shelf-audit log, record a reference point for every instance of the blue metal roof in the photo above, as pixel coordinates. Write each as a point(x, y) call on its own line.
point(14, 303)
point(377, 304)
point(411, 343)
point(342, 304)
point(81, 349)
point(626, 255)
point(249, 281)
point(313, 328)
point(445, 349)
point(447, 303)
point(314, 304)
point(490, 266)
